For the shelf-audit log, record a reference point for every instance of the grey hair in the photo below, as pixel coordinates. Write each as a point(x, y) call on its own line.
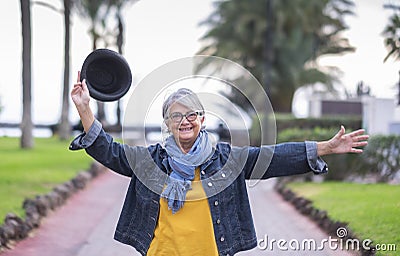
point(185, 97)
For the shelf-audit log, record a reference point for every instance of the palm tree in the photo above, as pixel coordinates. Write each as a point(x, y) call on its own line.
point(280, 39)
point(391, 32)
point(65, 127)
point(26, 123)
point(97, 12)
point(119, 5)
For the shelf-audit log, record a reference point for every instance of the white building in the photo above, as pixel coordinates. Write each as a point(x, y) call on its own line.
point(379, 115)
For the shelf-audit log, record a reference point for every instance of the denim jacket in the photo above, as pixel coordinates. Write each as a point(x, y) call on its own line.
point(223, 178)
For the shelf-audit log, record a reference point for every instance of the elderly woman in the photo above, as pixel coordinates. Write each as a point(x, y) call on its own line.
point(201, 207)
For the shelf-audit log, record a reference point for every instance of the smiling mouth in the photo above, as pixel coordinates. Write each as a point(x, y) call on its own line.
point(185, 129)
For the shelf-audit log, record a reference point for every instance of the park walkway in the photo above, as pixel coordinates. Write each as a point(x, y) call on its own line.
point(85, 225)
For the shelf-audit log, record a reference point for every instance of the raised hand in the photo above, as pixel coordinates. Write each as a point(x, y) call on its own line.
point(344, 143)
point(80, 93)
point(80, 96)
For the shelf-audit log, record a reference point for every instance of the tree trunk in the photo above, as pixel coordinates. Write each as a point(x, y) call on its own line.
point(65, 127)
point(101, 113)
point(120, 43)
point(26, 123)
point(268, 49)
point(268, 133)
point(282, 101)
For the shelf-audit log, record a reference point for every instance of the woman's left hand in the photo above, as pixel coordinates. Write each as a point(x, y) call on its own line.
point(343, 143)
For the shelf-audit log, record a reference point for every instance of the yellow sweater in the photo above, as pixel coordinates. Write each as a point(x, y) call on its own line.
point(187, 232)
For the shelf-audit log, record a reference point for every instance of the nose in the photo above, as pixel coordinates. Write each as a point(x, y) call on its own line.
point(184, 121)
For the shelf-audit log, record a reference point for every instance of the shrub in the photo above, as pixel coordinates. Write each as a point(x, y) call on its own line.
point(320, 125)
point(286, 121)
point(383, 155)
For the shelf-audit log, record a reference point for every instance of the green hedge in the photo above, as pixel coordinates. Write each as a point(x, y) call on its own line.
point(287, 121)
point(383, 156)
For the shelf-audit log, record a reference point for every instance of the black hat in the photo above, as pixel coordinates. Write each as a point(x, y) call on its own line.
point(107, 75)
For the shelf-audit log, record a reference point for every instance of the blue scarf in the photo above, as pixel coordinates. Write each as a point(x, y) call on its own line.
point(183, 167)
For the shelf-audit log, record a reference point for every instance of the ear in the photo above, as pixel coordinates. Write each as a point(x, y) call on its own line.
point(165, 124)
point(202, 119)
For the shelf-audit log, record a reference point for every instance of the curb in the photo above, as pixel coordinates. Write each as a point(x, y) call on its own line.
point(15, 228)
point(320, 217)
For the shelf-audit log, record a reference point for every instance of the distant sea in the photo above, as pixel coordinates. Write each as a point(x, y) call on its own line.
point(16, 132)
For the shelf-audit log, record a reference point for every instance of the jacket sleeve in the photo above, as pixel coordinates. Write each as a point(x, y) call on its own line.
point(101, 146)
point(283, 159)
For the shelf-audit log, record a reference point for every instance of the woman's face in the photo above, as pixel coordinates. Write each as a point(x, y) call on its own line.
point(184, 131)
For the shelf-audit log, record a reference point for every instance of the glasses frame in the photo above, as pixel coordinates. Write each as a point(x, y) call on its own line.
point(186, 115)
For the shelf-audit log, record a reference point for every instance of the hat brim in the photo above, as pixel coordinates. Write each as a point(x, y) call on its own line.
point(107, 73)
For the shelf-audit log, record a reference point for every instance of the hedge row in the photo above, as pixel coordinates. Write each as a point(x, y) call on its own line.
point(381, 158)
point(283, 122)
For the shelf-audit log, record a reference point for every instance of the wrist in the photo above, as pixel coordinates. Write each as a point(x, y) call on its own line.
point(323, 148)
point(87, 117)
point(82, 106)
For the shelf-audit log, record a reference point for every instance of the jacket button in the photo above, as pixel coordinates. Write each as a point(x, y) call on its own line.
point(216, 203)
point(222, 239)
point(203, 172)
point(218, 221)
point(223, 175)
point(209, 184)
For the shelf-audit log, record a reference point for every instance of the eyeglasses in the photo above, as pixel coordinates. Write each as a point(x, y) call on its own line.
point(190, 116)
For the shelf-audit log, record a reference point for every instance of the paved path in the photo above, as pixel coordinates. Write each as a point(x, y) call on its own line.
point(84, 226)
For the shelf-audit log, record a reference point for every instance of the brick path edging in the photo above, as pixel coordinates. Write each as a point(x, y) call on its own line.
point(320, 217)
point(15, 228)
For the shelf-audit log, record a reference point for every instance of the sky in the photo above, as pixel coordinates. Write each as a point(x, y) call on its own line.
point(157, 32)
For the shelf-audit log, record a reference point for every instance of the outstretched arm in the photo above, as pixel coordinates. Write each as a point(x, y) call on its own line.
point(343, 143)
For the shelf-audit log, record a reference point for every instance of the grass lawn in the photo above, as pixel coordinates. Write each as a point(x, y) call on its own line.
point(27, 173)
point(372, 210)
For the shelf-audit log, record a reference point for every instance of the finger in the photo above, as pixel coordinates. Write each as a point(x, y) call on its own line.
point(356, 150)
point(361, 137)
point(76, 89)
point(357, 132)
point(340, 132)
point(77, 86)
point(360, 144)
point(84, 85)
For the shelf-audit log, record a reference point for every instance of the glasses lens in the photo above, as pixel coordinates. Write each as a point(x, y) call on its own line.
point(191, 116)
point(176, 117)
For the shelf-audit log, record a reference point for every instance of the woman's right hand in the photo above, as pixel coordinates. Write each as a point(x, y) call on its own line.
point(80, 93)
point(80, 96)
